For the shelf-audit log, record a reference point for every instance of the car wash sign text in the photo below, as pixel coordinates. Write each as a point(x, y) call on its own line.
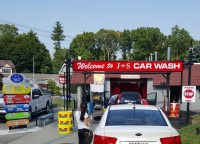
point(127, 66)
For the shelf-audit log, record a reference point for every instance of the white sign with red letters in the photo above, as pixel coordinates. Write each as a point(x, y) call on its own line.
point(189, 94)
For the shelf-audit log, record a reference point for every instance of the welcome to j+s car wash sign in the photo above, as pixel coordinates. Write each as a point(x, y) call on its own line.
point(188, 93)
point(127, 66)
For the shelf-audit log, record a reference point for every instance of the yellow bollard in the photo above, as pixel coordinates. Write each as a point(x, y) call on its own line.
point(65, 122)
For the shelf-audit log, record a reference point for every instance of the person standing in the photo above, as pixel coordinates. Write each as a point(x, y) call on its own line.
point(83, 121)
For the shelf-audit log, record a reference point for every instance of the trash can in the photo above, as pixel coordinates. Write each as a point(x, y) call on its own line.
point(174, 110)
point(65, 122)
point(90, 107)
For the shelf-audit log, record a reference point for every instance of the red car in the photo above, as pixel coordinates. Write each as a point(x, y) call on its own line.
point(127, 97)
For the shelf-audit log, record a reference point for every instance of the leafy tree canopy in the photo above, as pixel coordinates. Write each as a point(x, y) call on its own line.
point(84, 45)
point(59, 59)
point(147, 40)
point(126, 41)
point(179, 41)
point(108, 41)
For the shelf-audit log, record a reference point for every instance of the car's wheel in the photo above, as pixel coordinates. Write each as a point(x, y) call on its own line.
point(47, 109)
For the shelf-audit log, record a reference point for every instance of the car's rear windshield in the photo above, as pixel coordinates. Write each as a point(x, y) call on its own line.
point(130, 96)
point(135, 117)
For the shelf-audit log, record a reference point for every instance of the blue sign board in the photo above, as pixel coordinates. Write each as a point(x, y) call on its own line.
point(17, 78)
point(17, 108)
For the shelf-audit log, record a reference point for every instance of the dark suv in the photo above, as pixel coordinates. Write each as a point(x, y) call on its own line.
point(131, 97)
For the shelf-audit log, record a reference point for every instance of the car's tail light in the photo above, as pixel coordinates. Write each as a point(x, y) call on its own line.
point(171, 140)
point(104, 140)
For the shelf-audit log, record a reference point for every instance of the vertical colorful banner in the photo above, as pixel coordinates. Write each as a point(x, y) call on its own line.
point(17, 97)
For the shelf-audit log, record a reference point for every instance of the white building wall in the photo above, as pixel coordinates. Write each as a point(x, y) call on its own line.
point(107, 88)
point(161, 91)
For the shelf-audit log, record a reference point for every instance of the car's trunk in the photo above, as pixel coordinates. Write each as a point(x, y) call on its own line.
point(138, 134)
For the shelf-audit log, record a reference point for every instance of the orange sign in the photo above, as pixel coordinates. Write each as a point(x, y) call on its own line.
point(12, 123)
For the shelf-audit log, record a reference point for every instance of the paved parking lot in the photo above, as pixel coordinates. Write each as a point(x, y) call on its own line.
point(7, 135)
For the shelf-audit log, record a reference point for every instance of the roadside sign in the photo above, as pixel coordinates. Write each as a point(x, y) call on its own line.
point(13, 123)
point(17, 108)
point(19, 89)
point(189, 94)
point(17, 78)
point(19, 115)
point(16, 98)
point(62, 79)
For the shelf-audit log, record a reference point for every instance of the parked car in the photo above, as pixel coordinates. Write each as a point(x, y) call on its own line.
point(2, 107)
point(135, 123)
point(113, 100)
point(133, 97)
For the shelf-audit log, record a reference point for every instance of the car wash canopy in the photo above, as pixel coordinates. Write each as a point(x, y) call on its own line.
point(128, 66)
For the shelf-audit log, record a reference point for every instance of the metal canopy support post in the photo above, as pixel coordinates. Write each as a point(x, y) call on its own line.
point(68, 85)
point(85, 87)
point(168, 95)
point(68, 64)
point(85, 78)
point(168, 87)
point(181, 87)
point(64, 91)
point(189, 83)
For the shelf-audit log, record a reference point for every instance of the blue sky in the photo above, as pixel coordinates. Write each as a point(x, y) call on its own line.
point(77, 16)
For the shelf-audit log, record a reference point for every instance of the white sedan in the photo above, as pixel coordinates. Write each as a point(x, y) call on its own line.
point(135, 124)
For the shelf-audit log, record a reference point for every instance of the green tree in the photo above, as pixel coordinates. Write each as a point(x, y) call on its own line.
point(55, 90)
point(126, 42)
point(179, 41)
point(59, 59)
point(7, 36)
point(57, 35)
point(84, 45)
point(8, 30)
point(195, 54)
point(24, 48)
point(147, 40)
point(108, 41)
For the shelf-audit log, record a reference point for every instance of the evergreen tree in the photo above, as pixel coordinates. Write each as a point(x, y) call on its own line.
point(57, 35)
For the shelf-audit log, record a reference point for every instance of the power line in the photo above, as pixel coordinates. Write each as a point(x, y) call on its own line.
point(32, 28)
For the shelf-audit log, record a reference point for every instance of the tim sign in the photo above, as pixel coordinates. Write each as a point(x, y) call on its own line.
point(129, 66)
point(189, 93)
